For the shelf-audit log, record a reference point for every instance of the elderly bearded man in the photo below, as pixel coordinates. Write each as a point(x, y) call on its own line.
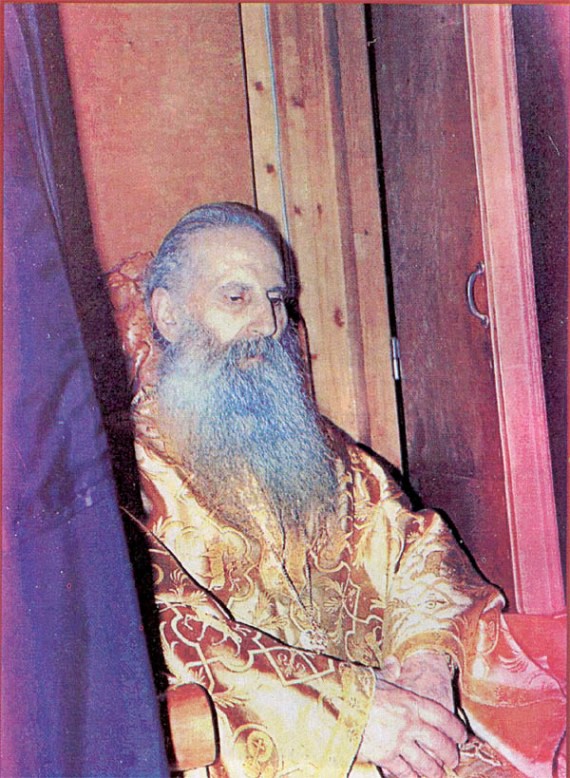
point(324, 619)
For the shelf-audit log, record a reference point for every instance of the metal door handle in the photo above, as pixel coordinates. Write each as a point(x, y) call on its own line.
point(479, 271)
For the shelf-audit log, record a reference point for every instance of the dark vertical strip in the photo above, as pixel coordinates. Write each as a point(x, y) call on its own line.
point(372, 29)
point(77, 690)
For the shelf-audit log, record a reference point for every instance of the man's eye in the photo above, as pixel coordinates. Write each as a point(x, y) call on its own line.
point(277, 301)
point(235, 298)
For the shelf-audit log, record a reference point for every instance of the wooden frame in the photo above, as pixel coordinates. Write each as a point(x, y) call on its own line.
point(512, 308)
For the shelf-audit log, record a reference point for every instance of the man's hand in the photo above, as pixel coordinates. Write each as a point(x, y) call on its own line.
point(409, 735)
point(425, 673)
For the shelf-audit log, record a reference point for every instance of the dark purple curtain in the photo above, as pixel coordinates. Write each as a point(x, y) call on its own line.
point(78, 697)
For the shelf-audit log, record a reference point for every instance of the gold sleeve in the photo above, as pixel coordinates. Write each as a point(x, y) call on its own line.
point(434, 599)
point(431, 594)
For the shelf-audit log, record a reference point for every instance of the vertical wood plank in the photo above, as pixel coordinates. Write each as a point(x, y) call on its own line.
point(504, 216)
point(364, 206)
point(264, 126)
point(542, 46)
point(326, 160)
point(307, 152)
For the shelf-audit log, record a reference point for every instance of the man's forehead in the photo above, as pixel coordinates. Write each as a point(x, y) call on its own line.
point(215, 252)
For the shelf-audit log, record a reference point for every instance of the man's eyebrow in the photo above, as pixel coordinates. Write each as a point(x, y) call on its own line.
point(242, 287)
point(235, 285)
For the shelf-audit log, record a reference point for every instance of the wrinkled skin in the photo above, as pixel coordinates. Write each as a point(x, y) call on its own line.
point(412, 730)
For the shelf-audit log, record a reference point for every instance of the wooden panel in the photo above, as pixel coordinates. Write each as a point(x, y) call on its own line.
point(161, 113)
point(516, 349)
point(303, 89)
point(314, 155)
point(360, 188)
point(264, 121)
point(453, 439)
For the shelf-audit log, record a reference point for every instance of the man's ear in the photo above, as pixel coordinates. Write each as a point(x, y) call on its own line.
point(166, 314)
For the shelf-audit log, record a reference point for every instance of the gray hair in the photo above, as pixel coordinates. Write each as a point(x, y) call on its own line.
point(164, 270)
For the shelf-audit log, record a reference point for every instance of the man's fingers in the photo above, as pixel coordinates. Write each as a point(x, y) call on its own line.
point(443, 720)
point(408, 727)
point(438, 745)
point(398, 768)
point(423, 763)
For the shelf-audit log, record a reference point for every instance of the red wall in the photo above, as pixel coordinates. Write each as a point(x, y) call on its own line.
point(161, 112)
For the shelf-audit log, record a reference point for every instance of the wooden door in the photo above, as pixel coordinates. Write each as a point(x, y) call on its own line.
point(454, 193)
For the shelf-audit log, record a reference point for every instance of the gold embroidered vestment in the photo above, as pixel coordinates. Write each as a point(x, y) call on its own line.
point(282, 630)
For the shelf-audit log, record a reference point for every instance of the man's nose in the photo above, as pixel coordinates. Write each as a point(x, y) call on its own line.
point(263, 323)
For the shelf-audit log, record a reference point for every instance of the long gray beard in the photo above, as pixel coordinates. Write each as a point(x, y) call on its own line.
point(232, 418)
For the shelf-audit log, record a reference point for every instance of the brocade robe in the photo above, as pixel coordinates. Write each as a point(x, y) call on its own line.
point(282, 632)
